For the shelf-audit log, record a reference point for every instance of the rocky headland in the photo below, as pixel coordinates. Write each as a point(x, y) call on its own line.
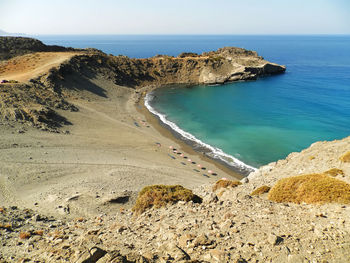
point(74, 195)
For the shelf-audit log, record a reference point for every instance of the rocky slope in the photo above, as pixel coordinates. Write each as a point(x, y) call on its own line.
point(230, 225)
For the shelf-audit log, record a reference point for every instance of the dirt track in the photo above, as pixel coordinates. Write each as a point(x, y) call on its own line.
point(29, 66)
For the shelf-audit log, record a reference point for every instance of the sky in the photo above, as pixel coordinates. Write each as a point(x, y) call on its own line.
point(37, 17)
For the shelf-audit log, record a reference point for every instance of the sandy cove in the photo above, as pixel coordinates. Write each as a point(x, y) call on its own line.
point(104, 155)
point(104, 146)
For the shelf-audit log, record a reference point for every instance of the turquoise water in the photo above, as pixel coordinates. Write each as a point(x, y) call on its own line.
point(259, 121)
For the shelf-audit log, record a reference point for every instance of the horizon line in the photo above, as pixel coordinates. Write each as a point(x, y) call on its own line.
point(182, 34)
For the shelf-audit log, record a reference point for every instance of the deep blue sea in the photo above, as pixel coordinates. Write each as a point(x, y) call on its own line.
point(260, 121)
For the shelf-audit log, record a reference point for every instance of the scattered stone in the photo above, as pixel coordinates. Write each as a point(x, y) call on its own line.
point(275, 240)
point(92, 255)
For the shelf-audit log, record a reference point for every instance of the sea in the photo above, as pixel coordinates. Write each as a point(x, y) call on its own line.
point(247, 124)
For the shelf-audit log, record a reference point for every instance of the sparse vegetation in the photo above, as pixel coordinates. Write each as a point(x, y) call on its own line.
point(334, 172)
point(311, 188)
point(24, 235)
point(216, 58)
point(345, 157)
point(261, 190)
point(188, 54)
point(225, 184)
point(39, 232)
point(160, 195)
point(155, 72)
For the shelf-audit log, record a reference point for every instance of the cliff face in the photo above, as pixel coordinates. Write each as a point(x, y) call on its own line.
point(224, 65)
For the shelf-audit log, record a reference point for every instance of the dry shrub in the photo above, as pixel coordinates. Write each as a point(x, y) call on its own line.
point(24, 235)
point(2, 210)
point(334, 172)
point(311, 188)
point(225, 184)
point(160, 195)
point(311, 158)
point(261, 190)
point(345, 157)
point(39, 232)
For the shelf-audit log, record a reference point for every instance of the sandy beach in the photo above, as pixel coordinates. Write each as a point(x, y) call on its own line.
point(113, 147)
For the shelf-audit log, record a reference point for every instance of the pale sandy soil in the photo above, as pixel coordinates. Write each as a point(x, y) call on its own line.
point(23, 68)
point(104, 155)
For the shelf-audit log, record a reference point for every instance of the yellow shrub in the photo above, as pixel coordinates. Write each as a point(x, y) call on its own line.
point(334, 172)
point(160, 195)
point(345, 157)
point(225, 184)
point(311, 188)
point(39, 232)
point(261, 190)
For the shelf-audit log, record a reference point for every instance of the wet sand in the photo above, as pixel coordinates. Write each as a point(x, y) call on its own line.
point(155, 122)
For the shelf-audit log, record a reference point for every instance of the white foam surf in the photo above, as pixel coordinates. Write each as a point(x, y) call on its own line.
point(214, 152)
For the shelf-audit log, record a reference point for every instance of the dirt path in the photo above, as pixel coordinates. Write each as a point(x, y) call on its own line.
point(24, 68)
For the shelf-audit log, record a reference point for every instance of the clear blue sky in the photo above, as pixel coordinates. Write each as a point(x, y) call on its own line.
point(175, 17)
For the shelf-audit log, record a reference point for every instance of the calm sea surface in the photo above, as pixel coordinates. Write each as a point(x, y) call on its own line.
point(260, 121)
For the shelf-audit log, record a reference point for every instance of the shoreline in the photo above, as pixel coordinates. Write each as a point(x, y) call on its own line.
point(171, 134)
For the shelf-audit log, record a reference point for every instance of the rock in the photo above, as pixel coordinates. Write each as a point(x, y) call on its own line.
point(184, 240)
point(121, 229)
point(169, 249)
point(274, 240)
point(217, 255)
point(92, 256)
point(245, 180)
point(239, 259)
point(210, 198)
point(73, 198)
point(225, 226)
point(37, 218)
point(202, 240)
